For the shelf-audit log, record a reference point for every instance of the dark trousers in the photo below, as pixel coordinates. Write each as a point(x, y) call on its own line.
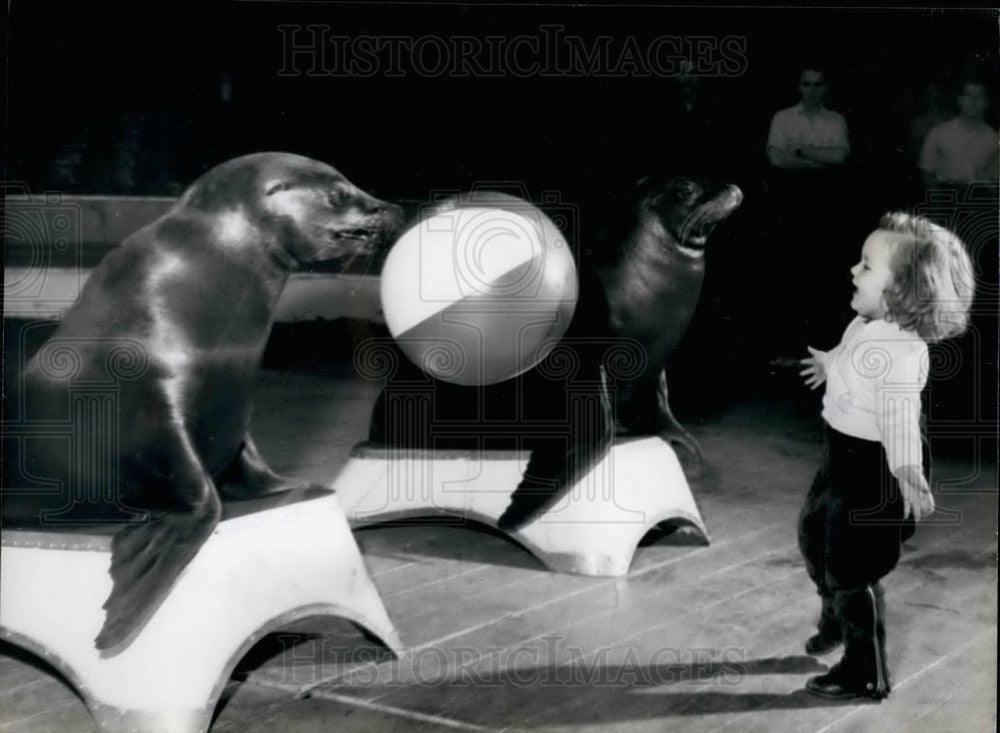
point(850, 531)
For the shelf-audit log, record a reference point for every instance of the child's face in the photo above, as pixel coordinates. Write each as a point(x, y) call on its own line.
point(872, 275)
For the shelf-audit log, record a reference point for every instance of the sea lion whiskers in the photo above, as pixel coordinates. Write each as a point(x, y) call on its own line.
point(368, 259)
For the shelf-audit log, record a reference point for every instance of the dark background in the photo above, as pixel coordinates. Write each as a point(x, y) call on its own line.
point(92, 73)
point(114, 98)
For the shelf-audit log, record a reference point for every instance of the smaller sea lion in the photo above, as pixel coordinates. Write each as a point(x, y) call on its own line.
point(639, 286)
point(636, 303)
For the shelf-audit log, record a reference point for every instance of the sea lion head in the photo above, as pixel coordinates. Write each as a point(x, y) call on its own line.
point(306, 209)
point(689, 208)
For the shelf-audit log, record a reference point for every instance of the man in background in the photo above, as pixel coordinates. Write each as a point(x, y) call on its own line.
point(807, 147)
point(808, 136)
point(963, 150)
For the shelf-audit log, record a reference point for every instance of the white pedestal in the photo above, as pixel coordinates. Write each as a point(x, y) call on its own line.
point(258, 573)
point(593, 530)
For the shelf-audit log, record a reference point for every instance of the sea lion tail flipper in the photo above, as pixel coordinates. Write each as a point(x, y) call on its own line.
point(146, 560)
point(555, 467)
point(671, 430)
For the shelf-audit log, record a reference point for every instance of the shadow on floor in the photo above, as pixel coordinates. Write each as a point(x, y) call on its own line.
point(484, 544)
point(345, 646)
point(598, 693)
point(37, 664)
point(480, 543)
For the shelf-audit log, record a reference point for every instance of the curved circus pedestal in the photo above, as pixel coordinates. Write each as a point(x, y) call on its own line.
point(268, 568)
point(593, 530)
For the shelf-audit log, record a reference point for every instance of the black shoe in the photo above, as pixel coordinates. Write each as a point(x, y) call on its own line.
point(820, 643)
point(839, 684)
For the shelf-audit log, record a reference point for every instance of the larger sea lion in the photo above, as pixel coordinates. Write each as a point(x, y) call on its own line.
point(171, 327)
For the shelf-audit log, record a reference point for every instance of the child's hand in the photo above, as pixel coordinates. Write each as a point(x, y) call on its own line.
point(815, 367)
point(917, 498)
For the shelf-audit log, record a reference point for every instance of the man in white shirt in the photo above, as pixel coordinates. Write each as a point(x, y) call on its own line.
point(807, 147)
point(808, 135)
point(964, 149)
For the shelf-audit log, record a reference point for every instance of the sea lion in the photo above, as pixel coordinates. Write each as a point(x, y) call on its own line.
point(172, 325)
point(640, 277)
point(637, 299)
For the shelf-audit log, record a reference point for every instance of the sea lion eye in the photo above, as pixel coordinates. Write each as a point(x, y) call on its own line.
point(275, 187)
point(684, 189)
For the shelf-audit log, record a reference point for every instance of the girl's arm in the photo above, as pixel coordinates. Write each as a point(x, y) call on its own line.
point(897, 413)
point(917, 497)
point(814, 367)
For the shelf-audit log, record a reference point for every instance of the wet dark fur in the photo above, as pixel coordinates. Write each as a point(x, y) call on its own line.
point(153, 369)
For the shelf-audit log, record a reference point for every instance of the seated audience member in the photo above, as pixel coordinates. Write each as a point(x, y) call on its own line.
point(964, 149)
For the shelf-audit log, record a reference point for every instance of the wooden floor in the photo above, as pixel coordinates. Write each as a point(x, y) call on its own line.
point(701, 638)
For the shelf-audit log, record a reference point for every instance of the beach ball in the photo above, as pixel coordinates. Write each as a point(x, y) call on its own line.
point(480, 289)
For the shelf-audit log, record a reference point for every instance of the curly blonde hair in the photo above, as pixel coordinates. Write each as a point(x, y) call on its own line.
point(932, 279)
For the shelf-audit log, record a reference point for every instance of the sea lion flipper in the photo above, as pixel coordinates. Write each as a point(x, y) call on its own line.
point(249, 475)
point(554, 468)
point(146, 559)
point(671, 430)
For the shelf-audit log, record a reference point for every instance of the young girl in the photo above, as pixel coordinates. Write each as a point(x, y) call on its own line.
point(913, 285)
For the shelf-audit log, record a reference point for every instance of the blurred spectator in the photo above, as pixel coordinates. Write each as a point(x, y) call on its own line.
point(965, 149)
point(66, 171)
point(959, 163)
point(936, 108)
point(124, 161)
point(807, 147)
point(695, 132)
point(691, 121)
point(128, 153)
point(159, 168)
point(68, 161)
point(808, 135)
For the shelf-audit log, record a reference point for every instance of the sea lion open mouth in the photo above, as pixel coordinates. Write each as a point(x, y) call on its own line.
point(692, 238)
point(695, 230)
point(347, 245)
point(350, 243)
point(358, 235)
